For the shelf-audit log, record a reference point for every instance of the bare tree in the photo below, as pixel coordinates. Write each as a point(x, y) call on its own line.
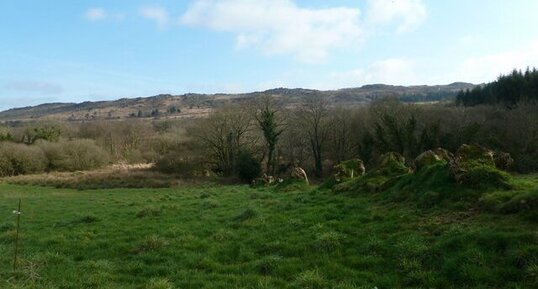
point(224, 133)
point(313, 118)
point(340, 134)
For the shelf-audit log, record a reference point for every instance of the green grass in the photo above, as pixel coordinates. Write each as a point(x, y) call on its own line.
point(209, 236)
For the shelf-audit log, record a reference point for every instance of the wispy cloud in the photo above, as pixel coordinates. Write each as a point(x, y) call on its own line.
point(157, 14)
point(407, 15)
point(279, 26)
point(97, 14)
point(34, 86)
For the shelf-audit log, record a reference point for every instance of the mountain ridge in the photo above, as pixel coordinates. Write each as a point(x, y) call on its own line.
point(198, 104)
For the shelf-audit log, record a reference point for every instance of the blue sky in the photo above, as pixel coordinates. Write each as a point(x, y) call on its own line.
point(72, 51)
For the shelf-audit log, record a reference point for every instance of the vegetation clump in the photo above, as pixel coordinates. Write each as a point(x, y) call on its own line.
point(391, 166)
point(248, 168)
point(18, 159)
point(73, 155)
point(474, 166)
point(348, 170)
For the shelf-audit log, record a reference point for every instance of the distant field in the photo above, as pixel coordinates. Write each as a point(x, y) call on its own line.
point(209, 236)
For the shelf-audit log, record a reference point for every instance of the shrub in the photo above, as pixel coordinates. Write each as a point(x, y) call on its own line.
point(247, 167)
point(174, 163)
point(83, 155)
point(18, 159)
point(74, 155)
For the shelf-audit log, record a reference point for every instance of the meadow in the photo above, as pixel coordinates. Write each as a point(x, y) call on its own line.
point(235, 236)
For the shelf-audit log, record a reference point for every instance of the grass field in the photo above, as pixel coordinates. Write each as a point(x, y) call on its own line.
point(209, 236)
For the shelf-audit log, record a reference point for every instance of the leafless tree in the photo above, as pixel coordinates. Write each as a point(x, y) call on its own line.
point(312, 117)
point(224, 133)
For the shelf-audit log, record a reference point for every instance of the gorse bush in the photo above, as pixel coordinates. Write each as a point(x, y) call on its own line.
point(17, 159)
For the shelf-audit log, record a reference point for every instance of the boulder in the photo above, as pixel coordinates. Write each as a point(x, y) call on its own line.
point(349, 169)
point(426, 158)
point(475, 153)
point(443, 154)
point(264, 180)
point(475, 166)
point(392, 164)
point(299, 173)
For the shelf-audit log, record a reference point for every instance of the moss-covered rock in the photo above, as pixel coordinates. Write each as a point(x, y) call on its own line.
point(444, 154)
point(349, 169)
point(475, 153)
point(426, 158)
point(474, 166)
point(392, 166)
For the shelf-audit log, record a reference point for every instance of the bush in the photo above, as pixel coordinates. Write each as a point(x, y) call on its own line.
point(74, 155)
point(174, 163)
point(18, 159)
point(247, 167)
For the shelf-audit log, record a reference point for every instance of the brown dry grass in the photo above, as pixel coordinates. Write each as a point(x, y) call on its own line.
point(115, 176)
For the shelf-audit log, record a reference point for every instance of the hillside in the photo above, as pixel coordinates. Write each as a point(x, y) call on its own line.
point(196, 105)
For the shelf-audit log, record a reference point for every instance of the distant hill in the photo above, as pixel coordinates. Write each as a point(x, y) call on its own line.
point(193, 105)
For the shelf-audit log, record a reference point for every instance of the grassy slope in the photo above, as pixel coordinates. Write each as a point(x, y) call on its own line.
point(238, 237)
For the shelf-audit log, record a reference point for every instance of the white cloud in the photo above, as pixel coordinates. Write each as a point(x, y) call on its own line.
point(395, 71)
point(95, 14)
point(157, 14)
point(279, 26)
point(486, 68)
point(406, 14)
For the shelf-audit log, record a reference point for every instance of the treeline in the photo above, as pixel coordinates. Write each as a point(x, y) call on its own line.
point(317, 136)
point(507, 90)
